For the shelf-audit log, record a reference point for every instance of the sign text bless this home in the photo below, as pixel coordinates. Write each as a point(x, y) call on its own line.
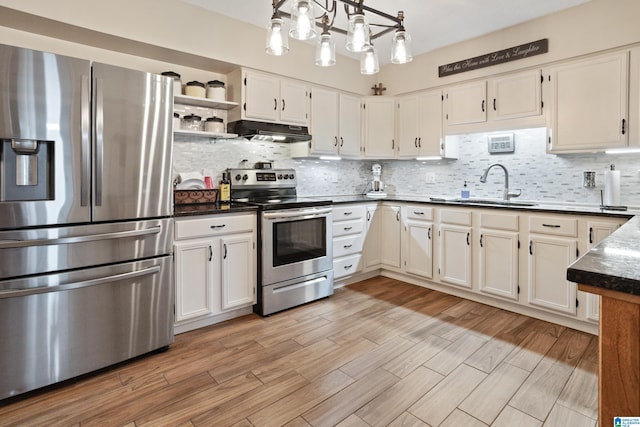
point(506, 55)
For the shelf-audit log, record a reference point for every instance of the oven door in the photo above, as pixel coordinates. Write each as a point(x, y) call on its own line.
point(296, 243)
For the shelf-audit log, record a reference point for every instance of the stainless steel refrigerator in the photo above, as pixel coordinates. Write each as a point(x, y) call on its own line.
point(86, 263)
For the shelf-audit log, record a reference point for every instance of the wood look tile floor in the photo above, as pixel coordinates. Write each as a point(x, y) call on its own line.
point(378, 353)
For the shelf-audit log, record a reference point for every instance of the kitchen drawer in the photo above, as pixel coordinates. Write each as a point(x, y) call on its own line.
point(345, 212)
point(499, 221)
point(346, 265)
point(458, 217)
point(556, 226)
point(347, 245)
point(213, 225)
point(342, 228)
point(419, 212)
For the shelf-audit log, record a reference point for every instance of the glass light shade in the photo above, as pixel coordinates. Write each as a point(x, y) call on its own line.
point(357, 33)
point(326, 51)
point(401, 47)
point(277, 38)
point(303, 26)
point(369, 61)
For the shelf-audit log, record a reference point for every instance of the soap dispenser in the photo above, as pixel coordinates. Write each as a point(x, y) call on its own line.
point(465, 191)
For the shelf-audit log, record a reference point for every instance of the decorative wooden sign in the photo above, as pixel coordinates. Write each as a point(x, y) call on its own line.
point(501, 56)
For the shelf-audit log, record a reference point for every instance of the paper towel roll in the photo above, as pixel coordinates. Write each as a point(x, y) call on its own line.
point(612, 188)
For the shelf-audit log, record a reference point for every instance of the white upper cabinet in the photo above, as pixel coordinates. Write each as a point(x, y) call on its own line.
point(335, 125)
point(515, 95)
point(379, 127)
point(269, 98)
point(589, 102)
point(419, 124)
point(465, 103)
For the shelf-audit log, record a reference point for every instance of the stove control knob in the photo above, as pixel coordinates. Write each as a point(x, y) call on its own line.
point(238, 177)
point(291, 176)
point(245, 177)
point(280, 176)
point(286, 176)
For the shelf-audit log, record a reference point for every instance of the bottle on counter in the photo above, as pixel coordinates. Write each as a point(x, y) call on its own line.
point(465, 193)
point(224, 188)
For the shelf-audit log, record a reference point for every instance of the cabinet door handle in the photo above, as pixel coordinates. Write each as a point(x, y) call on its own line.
point(551, 225)
point(335, 138)
point(415, 142)
point(225, 251)
point(420, 142)
point(368, 215)
point(393, 144)
point(530, 247)
point(341, 142)
point(483, 105)
point(590, 235)
point(283, 105)
point(215, 227)
point(275, 104)
point(481, 241)
point(494, 105)
point(210, 253)
point(468, 237)
point(623, 125)
point(398, 216)
point(429, 233)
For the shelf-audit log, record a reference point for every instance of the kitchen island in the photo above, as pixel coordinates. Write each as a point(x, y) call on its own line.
point(611, 270)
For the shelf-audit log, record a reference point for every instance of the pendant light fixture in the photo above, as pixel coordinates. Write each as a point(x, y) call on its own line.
point(359, 31)
point(277, 37)
point(369, 63)
point(326, 48)
point(302, 20)
point(401, 44)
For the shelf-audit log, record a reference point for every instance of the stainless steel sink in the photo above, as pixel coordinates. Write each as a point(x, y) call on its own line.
point(495, 202)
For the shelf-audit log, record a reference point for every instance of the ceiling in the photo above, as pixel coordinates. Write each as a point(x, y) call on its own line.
point(432, 23)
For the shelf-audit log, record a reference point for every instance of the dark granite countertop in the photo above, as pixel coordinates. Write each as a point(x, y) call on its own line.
point(211, 209)
point(441, 201)
point(614, 263)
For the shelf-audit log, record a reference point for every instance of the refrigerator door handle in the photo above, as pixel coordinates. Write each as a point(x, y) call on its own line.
point(99, 108)
point(12, 293)
point(7, 244)
point(85, 180)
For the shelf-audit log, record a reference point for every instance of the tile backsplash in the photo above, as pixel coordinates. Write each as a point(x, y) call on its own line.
point(540, 176)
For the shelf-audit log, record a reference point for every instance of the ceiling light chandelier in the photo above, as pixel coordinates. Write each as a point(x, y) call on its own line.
point(306, 15)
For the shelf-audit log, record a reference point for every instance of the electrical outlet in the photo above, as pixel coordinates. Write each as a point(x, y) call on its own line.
point(430, 177)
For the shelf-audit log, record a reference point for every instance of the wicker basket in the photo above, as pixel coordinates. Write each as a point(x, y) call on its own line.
point(189, 197)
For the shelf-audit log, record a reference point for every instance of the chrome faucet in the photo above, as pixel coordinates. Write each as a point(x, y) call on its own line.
point(506, 195)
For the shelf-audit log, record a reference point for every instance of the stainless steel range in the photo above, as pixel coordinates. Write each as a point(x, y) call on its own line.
point(295, 264)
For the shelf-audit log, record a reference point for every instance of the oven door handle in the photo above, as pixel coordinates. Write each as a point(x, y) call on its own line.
point(297, 213)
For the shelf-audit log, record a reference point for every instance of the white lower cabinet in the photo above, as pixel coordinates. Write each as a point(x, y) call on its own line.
point(498, 257)
point(597, 230)
point(390, 235)
point(553, 245)
point(371, 252)
point(349, 228)
point(455, 236)
point(215, 260)
point(417, 249)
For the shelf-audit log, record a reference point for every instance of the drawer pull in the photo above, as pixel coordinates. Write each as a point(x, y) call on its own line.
point(418, 213)
point(348, 213)
point(551, 225)
point(347, 246)
point(346, 267)
point(215, 227)
point(347, 228)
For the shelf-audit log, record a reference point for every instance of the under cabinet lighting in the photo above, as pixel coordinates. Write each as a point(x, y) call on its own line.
point(622, 151)
point(330, 158)
point(429, 158)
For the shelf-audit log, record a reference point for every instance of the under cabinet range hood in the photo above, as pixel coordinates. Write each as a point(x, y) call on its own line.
point(273, 132)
